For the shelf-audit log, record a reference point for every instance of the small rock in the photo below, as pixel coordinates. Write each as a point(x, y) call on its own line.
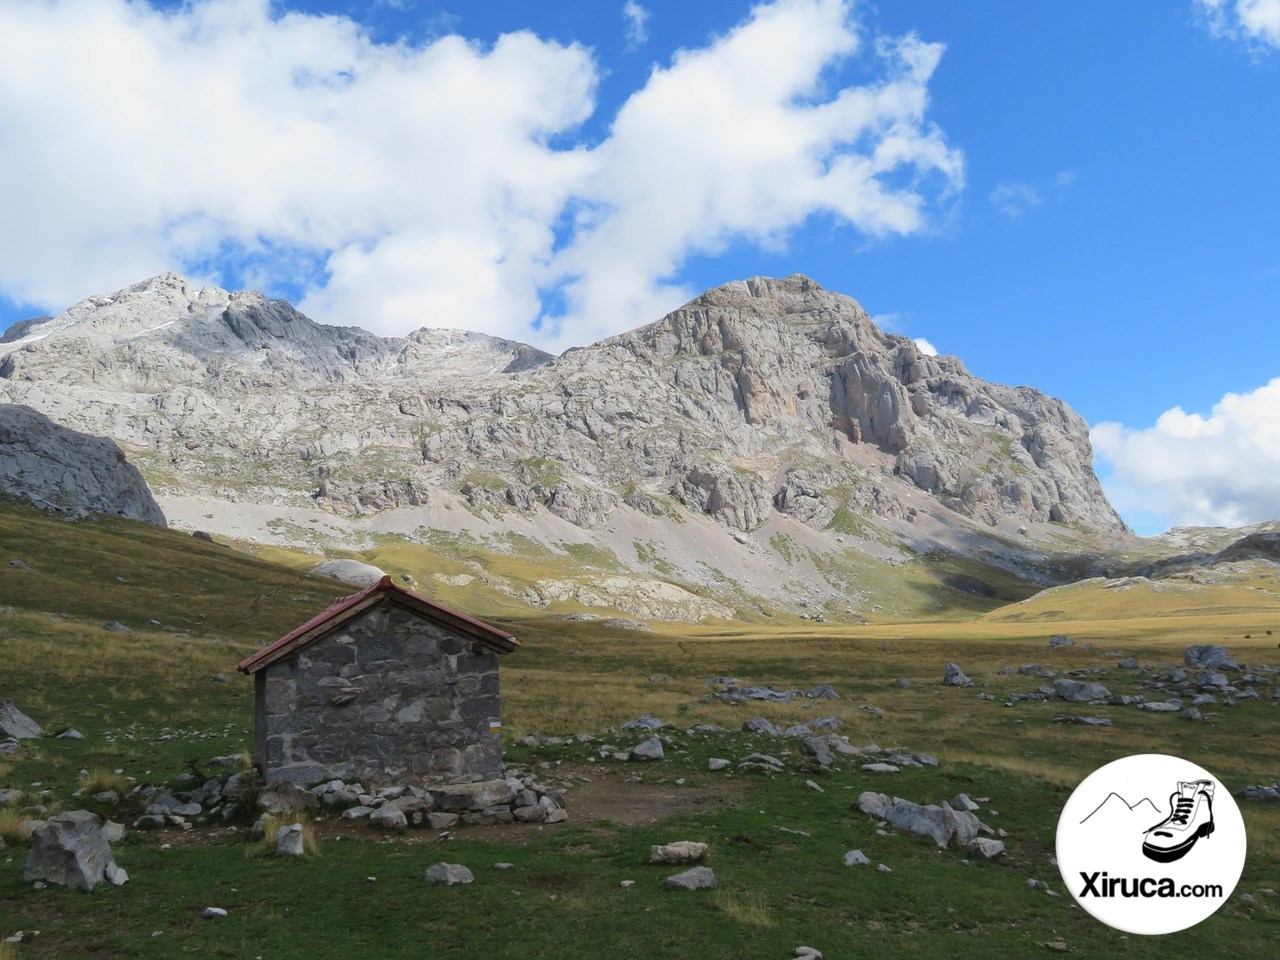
point(761, 725)
point(115, 875)
point(807, 953)
point(987, 847)
point(1058, 946)
point(448, 874)
point(627, 884)
point(695, 878)
point(71, 733)
point(810, 785)
point(389, 817)
point(213, 913)
point(716, 763)
point(115, 626)
point(1058, 641)
point(856, 858)
point(880, 768)
point(884, 869)
point(681, 851)
point(651, 749)
point(442, 821)
point(289, 842)
point(643, 723)
point(953, 676)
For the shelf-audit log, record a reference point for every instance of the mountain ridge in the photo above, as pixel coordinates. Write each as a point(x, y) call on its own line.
point(764, 409)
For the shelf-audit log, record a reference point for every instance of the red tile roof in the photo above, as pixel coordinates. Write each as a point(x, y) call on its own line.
point(346, 608)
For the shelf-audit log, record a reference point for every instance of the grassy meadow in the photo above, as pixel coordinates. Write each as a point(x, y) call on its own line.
point(148, 703)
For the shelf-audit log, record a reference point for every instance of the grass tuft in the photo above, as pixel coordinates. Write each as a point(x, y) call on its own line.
point(98, 781)
point(748, 908)
point(10, 824)
point(271, 827)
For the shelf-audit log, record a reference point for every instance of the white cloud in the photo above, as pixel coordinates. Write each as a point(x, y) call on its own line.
point(1219, 470)
point(637, 18)
point(1253, 21)
point(1015, 199)
point(925, 347)
point(438, 183)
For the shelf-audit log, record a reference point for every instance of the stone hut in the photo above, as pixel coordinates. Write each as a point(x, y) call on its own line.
point(385, 686)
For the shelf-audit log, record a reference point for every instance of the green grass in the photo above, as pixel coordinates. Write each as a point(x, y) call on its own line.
point(148, 705)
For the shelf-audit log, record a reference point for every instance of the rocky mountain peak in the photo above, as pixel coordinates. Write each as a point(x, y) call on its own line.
point(762, 407)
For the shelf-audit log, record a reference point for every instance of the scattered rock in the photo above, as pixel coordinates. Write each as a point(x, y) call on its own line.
point(761, 725)
point(810, 785)
point(389, 817)
point(823, 691)
point(1079, 691)
point(856, 858)
point(681, 851)
point(762, 762)
point(880, 768)
point(289, 841)
point(1058, 641)
point(884, 869)
point(16, 724)
point(819, 748)
point(71, 733)
point(1209, 656)
point(695, 878)
point(1084, 721)
point(651, 749)
point(643, 723)
point(987, 846)
point(717, 763)
point(953, 676)
point(70, 850)
point(807, 953)
point(213, 913)
point(448, 874)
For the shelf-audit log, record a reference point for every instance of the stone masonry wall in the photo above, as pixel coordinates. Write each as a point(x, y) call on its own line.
point(387, 698)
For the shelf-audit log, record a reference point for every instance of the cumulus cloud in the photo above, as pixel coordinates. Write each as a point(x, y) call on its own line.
point(925, 347)
point(1015, 199)
point(440, 183)
point(637, 18)
point(1253, 21)
point(1219, 470)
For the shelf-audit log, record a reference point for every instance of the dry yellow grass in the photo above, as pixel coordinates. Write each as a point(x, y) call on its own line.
point(10, 823)
point(98, 781)
point(748, 908)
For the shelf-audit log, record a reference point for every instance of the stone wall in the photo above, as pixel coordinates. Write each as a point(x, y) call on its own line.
point(388, 697)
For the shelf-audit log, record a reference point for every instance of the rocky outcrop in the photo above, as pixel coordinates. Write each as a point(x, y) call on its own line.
point(761, 401)
point(71, 472)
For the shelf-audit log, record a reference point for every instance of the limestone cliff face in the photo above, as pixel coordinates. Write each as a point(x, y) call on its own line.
point(68, 471)
point(760, 399)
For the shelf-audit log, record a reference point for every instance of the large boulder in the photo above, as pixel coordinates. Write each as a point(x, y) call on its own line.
point(70, 850)
point(1079, 691)
point(1210, 656)
point(351, 571)
point(60, 469)
point(14, 723)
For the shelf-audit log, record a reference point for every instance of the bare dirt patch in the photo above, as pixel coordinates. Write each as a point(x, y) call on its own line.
point(610, 794)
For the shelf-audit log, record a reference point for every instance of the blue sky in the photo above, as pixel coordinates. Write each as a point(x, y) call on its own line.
point(1080, 197)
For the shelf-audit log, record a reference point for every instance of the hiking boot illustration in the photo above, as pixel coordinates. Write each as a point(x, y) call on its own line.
point(1190, 818)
